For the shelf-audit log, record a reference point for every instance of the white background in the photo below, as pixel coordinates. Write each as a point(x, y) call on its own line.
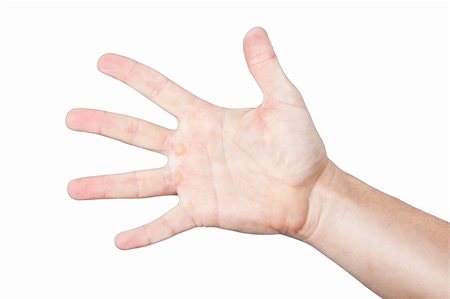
point(374, 76)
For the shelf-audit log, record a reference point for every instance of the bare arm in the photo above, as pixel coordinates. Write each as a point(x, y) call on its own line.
point(262, 170)
point(393, 248)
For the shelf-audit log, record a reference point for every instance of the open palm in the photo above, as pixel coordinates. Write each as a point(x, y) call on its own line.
point(248, 170)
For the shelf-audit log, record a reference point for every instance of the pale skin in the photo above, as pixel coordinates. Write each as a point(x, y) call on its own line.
point(264, 171)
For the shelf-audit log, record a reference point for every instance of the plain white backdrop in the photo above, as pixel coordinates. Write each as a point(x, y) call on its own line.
point(374, 76)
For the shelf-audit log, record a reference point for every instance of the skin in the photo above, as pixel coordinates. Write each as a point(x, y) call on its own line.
point(264, 171)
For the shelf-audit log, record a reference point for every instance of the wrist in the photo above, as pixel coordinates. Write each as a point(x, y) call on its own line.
point(391, 247)
point(321, 197)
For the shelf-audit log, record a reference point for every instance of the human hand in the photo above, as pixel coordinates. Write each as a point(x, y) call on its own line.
point(248, 170)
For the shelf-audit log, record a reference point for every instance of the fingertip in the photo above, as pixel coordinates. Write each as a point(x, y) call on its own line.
point(119, 244)
point(256, 40)
point(74, 118)
point(71, 189)
point(257, 46)
point(114, 65)
point(81, 189)
point(127, 240)
point(256, 31)
point(70, 118)
point(106, 62)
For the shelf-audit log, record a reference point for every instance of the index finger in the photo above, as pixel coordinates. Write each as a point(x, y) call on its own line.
point(147, 81)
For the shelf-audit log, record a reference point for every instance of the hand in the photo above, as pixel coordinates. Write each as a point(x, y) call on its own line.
point(248, 170)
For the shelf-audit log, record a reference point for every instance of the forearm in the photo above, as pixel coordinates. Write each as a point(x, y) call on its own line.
point(393, 248)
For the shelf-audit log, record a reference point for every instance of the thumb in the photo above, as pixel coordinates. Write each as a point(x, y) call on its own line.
point(263, 64)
